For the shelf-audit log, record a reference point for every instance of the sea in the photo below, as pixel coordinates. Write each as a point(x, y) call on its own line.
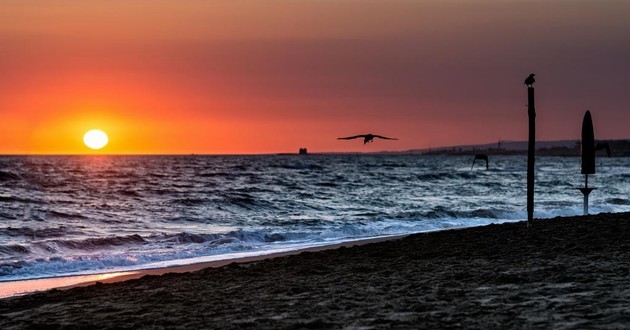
point(77, 215)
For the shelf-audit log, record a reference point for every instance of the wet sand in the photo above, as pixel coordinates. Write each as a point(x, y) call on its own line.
point(560, 273)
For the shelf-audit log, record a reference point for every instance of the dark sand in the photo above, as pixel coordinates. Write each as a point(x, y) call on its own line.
point(559, 273)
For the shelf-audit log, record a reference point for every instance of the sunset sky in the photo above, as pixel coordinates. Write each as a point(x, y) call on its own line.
point(237, 76)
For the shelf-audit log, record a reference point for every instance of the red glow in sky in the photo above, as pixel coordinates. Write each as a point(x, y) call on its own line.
point(203, 77)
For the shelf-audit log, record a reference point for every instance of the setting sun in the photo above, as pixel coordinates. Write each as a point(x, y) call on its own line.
point(95, 139)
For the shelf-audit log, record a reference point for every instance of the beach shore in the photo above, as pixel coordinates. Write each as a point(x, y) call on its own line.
point(18, 288)
point(560, 273)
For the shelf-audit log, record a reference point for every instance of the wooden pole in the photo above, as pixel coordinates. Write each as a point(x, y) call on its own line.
point(531, 150)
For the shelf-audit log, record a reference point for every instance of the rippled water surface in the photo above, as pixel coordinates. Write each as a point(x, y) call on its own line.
point(63, 215)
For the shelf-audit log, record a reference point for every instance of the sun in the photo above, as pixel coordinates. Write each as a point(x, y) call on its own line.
point(95, 139)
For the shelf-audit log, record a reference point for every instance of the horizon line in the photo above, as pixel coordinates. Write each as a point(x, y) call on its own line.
point(293, 153)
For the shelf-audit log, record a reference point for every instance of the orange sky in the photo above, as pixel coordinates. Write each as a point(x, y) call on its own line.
point(196, 76)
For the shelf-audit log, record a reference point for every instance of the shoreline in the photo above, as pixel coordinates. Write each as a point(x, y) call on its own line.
point(565, 272)
point(15, 288)
point(18, 287)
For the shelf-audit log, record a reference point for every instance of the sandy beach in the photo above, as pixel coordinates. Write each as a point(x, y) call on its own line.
point(559, 273)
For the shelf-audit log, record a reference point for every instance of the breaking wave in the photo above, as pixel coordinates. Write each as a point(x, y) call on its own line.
point(76, 215)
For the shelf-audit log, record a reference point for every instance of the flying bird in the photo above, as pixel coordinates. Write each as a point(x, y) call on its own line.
point(529, 81)
point(366, 138)
point(603, 146)
point(480, 157)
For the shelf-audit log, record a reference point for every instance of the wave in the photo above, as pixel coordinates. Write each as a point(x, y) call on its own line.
point(308, 167)
point(66, 215)
point(11, 199)
point(34, 233)
point(236, 236)
point(440, 212)
point(8, 216)
point(451, 175)
point(6, 176)
point(129, 193)
point(13, 249)
point(65, 257)
point(88, 244)
point(215, 174)
point(190, 201)
point(618, 201)
point(244, 201)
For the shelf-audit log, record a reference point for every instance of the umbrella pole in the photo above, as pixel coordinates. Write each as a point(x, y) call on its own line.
point(586, 191)
point(586, 194)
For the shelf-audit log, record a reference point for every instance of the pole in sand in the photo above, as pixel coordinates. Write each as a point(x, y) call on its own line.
point(588, 156)
point(531, 148)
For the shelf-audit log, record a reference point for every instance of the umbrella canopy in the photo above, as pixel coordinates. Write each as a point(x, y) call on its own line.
point(588, 145)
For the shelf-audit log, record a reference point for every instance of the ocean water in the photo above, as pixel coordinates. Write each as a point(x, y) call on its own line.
point(70, 215)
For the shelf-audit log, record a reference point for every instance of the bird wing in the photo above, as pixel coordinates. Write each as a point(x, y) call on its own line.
point(351, 137)
point(384, 137)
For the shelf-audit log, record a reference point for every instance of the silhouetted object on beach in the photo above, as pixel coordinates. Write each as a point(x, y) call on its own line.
point(366, 138)
point(603, 146)
point(529, 81)
point(531, 147)
point(588, 155)
point(480, 157)
point(588, 145)
point(303, 151)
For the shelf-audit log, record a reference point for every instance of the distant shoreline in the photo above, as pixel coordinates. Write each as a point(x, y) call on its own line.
point(566, 148)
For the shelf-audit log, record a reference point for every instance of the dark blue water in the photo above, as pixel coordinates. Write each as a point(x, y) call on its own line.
point(62, 215)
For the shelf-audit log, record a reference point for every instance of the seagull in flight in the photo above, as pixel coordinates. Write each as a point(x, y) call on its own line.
point(366, 138)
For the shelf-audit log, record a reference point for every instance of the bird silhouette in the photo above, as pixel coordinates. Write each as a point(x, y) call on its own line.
point(366, 138)
point(529, 81)
point(480, 157)
point(603, 146)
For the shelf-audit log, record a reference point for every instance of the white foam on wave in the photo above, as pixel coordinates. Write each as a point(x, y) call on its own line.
point(256, 243)
point(250, 245)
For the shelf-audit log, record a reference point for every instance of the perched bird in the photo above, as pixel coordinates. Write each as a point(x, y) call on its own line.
point(529, 81)
point(366, 138)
